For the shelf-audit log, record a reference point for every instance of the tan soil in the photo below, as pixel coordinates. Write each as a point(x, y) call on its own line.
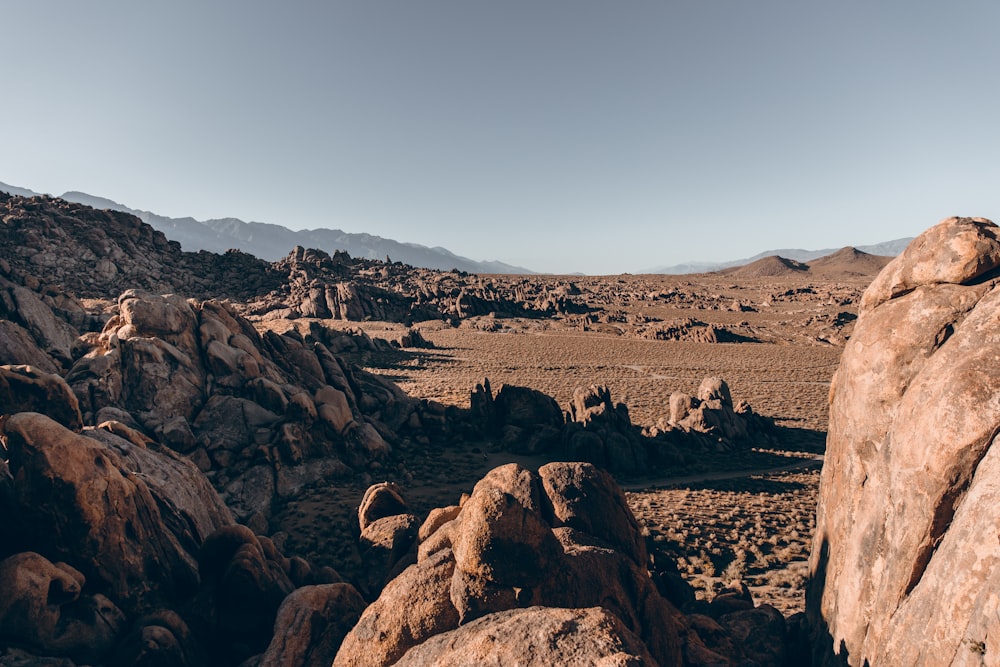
point(758, 527)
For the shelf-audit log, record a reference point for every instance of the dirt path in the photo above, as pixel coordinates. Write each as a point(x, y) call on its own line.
point(665, 482)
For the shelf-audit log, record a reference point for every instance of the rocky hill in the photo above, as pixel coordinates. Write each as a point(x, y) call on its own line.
point(69, 248)
point(847, 263)
point(767, 267)
point(270, 242)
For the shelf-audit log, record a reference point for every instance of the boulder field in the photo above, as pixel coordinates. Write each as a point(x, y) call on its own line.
point(143, 447)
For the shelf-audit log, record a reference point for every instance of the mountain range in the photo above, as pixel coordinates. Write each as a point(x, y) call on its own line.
point(271, 242)
point(885, 249)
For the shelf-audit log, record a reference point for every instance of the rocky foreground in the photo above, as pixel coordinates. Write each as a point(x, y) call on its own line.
point(147, 442)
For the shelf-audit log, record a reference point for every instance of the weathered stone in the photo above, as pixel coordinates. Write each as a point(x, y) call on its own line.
point(535, 636)
point(311, 624)
point(904, 560)
point(380, 501)
point(587, 499)
point(100, 515)
point(414, 606)
point(41, 607)
point(26, 389)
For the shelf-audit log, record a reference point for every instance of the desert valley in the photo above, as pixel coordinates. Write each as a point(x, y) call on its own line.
point(216, 459)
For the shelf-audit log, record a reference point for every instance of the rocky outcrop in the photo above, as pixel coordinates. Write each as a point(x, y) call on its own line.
point(87, 502)
point(98, 254)
point(713, 413)
point(42, 609)
point(310, 625)
point(525, 555)
point(268, 413)
point(117, 550)
point(26, 389)
point(600, 431)
point(905, 564)
point(534, 637)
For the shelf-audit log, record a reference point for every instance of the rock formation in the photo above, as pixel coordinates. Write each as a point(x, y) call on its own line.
point(142, 415)
point(529, 559)
point(117, 550)
point(548, 568)
point(905, 564)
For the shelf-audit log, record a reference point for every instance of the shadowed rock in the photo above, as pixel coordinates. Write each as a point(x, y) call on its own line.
point(26, 389)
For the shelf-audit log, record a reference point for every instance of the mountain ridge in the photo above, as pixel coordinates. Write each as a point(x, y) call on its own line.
point(271, 242)
point(885, 249)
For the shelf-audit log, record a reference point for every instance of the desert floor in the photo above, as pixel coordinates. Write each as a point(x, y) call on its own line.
point(756, 527)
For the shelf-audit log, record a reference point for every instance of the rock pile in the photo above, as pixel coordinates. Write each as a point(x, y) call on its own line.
point(51, 245)
point(263, 414)
point(56, 247)
point(905, 564)
point(713, 413)
point(118, 551)
point(597, 430)
point(544, 569)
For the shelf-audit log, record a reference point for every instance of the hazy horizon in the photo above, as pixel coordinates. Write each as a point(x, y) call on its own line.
point(562, 137)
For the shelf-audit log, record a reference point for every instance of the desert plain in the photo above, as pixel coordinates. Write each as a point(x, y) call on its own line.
point(776, 339)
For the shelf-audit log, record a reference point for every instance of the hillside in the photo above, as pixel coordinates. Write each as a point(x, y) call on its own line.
point(886, 248)
point(847, 263)
point(767, 267)
point(271, 242)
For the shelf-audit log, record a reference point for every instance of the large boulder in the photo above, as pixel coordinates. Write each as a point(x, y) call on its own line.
point(519, 541)
point(524, 407)
point(42, 608)
point(601, 432)
point(905, 562)
point(536, 636)
point(26, 389)
point(113, 512)
point(311, 624)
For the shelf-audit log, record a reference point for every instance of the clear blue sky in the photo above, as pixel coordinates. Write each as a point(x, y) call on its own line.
point(560, 135)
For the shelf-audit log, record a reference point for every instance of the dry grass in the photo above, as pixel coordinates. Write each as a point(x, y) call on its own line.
point(757, 529)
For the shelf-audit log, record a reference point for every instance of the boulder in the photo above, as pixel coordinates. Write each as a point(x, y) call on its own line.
point(79, 500)
point(27, 389)
point(905, 558)
point(414, 606)
point(380, 501)
point(17, 347)
point(587, 499)
point(42, 608)
point(536, 636)
point(525, 407)
point(384, 545)
point(159, 638)
point(245, 582)
point(311, 624)
point(500, 554)
point(51, 333)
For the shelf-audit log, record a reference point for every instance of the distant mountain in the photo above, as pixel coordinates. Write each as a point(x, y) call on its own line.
point(845, 263)
point(766, 267)
point(848, 262)
point(272, 242)
point(885, 249)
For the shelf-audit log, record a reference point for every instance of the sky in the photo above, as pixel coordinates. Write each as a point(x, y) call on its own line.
point(562, 136)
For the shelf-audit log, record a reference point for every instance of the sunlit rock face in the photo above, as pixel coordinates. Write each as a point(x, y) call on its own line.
point(906, 559)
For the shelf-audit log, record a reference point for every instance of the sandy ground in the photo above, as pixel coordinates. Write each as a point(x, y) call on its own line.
point(758, 528)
